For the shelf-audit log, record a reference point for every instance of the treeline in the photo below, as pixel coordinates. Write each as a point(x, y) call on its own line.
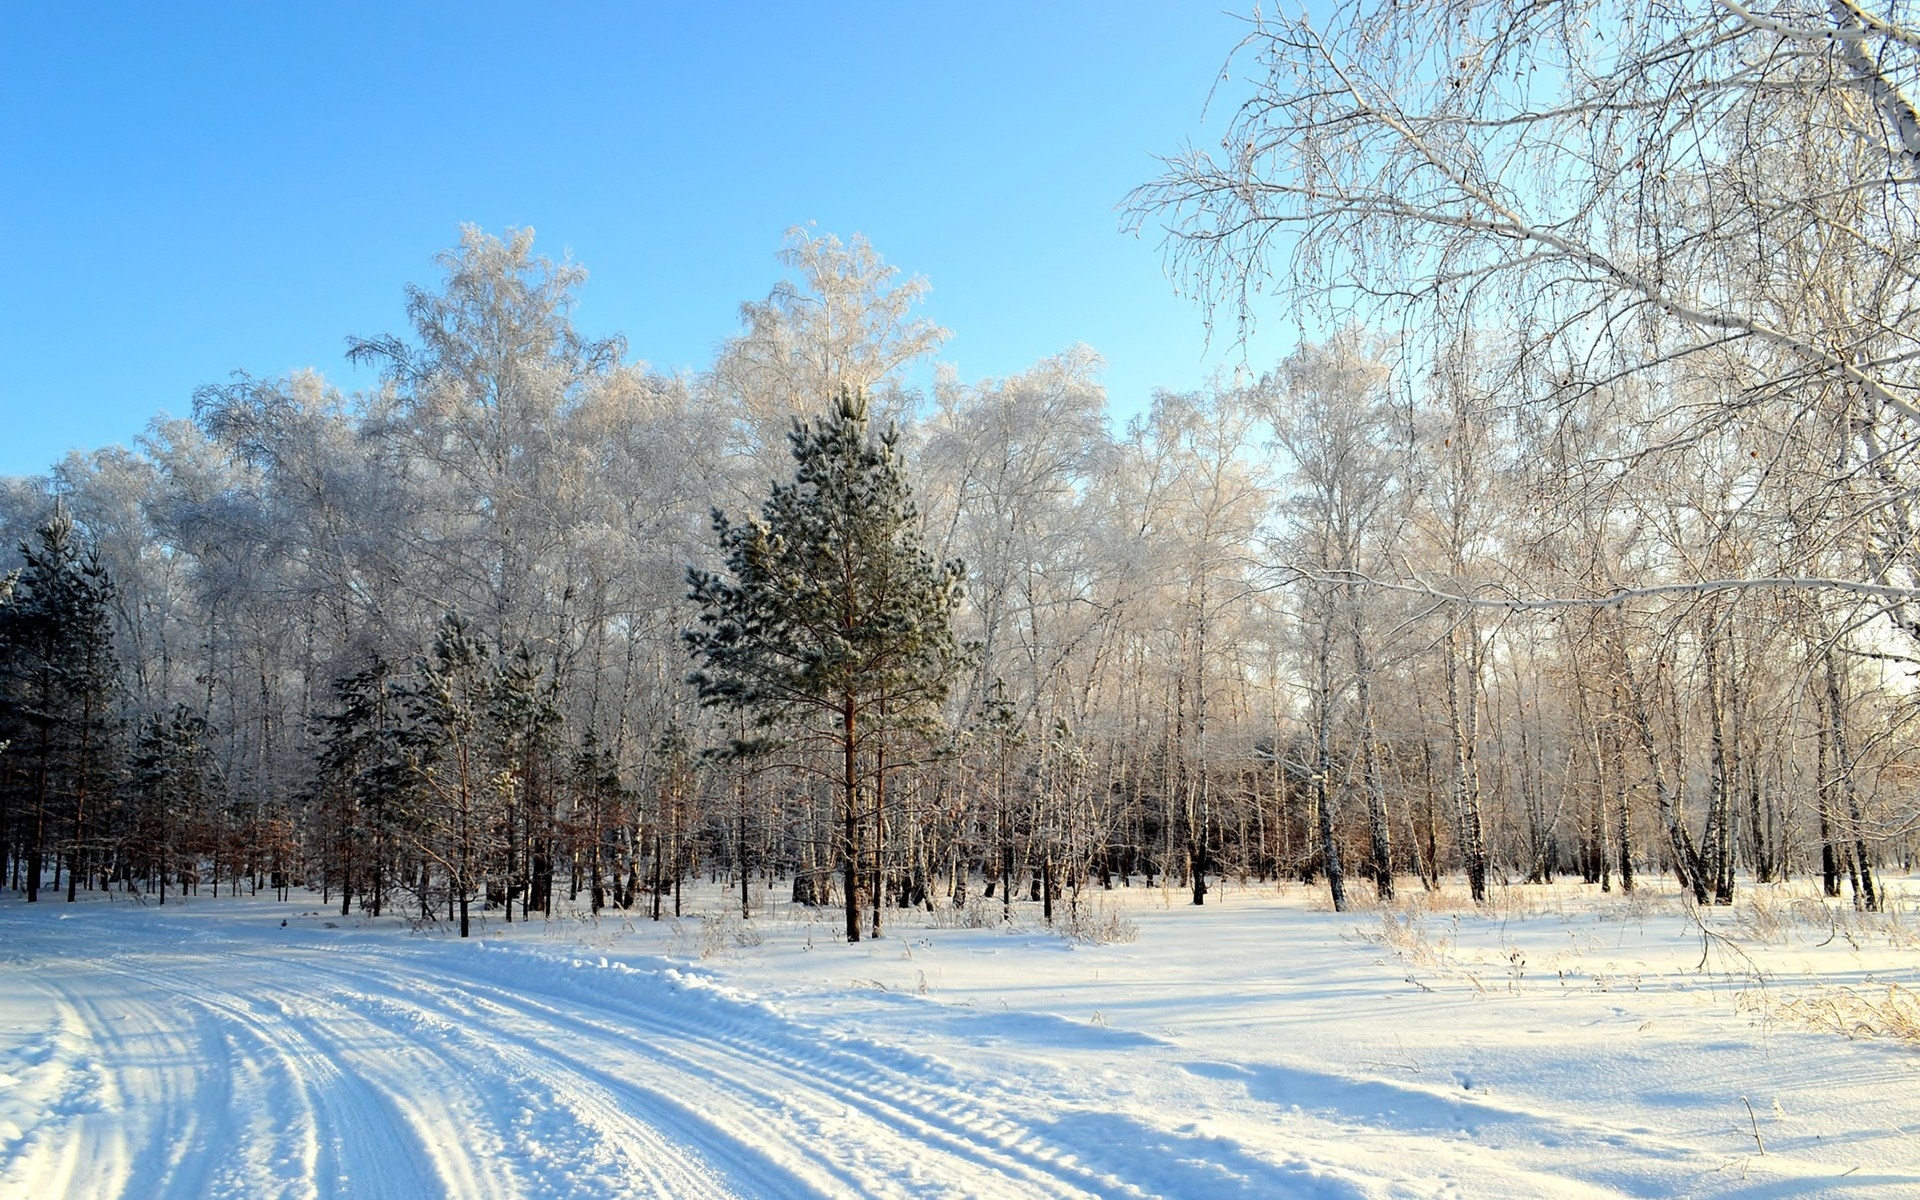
point(434, 646)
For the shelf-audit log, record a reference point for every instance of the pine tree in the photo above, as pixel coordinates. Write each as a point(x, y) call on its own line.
point(523, 718)
point(830, 614)
point(172, 786)
point(448, 754)
point(59, 681)
point(675, 782)
point(598, 826)
point(361, 783)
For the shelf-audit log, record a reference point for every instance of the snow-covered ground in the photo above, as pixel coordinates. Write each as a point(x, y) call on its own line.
point(1562, 1044)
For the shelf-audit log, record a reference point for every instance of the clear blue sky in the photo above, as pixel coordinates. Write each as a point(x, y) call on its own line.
point(189, 190)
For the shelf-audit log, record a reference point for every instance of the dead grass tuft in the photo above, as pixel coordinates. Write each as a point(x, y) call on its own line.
point(1890, 1013)
point(1096, 923)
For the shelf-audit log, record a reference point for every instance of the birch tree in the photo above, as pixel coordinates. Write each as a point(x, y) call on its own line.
point(848, 321)
point(1335, 419)
point(479, 397)
point(1610, 190)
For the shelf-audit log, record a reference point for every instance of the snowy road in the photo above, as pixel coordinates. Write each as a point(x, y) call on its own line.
point(195, 1062)
point(212, 1052)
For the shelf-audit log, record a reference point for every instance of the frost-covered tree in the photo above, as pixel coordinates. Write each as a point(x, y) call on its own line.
point(1011, 472)
point(1201, 502)
point(1604, 192)
point(848, 321)
point(479, 398)
point(1334, 417)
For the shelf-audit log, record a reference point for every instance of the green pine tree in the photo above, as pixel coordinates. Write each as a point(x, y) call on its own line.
point(830, 615)
point(598, 797)
point(172, 773)
point(362, 789)
point(59, 685)
point(524, 720)
point(448, 754)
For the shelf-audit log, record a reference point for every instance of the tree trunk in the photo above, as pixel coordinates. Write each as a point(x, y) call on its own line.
point(850, 815)
point(1686, 858)
point(1866, 896)
point(879, 826)
point(1718, 839)
point(1323, 768)
point(1379, 830)
point(744, 867)
point(1463, 722)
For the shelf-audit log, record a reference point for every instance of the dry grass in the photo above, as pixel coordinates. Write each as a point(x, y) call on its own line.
point(1888, 1012)
point(1409, 933)
point(1096, 923)
point(715, 935)
point(1443, 935)
point(1093, 922)
point(1779, 914)
point(976, 913)
point(1526, 901)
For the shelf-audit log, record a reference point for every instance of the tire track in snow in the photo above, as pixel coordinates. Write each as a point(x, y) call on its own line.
point(144, 1063)
point(175, 1045)
point(825, 1085)
point(733, 1115)
point(606, 1145)
point(277, 1130)
point(908, 1107)
point(814, 1105)
point(242, 1073)
point(59, 1085)
point(155, 1098)
point(252, 1067)
point(354, 1136)
point(457, 1094)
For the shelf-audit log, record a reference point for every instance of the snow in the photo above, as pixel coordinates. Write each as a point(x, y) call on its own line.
point(1562, 1043)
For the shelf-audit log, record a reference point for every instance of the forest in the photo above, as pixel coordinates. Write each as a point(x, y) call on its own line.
point(1575, 538)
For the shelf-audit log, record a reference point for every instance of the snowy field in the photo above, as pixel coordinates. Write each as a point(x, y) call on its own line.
point(1563, 1044)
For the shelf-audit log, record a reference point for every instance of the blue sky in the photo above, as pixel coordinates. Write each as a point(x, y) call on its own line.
point(189, 190)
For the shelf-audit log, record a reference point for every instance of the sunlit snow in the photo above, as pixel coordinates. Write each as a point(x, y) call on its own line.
point(1562, 1044)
